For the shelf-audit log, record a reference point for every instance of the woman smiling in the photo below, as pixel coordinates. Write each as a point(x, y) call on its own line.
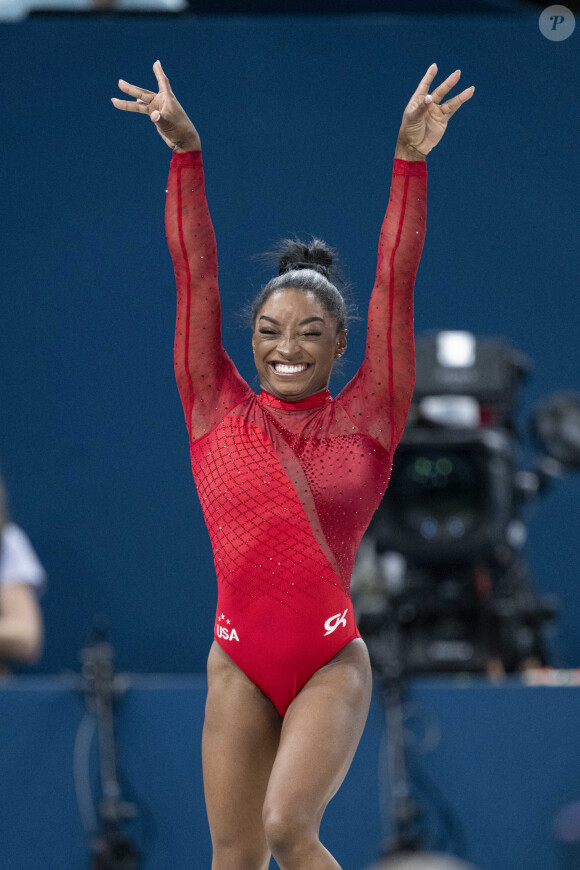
point(288, 481)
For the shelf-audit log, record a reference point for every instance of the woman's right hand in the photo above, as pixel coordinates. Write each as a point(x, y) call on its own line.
point(172, 123)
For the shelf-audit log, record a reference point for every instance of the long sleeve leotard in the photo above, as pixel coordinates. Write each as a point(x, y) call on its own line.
point(288, 489)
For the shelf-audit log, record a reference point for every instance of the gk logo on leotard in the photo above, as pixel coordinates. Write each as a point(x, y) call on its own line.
point(224, 631)
point(333, 622)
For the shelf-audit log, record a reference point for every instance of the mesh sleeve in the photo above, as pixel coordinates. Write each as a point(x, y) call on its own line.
point(378, 397)
point(209, 383)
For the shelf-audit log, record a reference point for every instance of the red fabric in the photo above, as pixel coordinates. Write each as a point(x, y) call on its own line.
point(288, 489)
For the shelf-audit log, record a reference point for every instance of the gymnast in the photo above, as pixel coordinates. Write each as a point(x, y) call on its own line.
point(288, 481)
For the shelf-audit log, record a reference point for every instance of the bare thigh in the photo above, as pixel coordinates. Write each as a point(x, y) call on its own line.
point(320, 734)
point(241, 734)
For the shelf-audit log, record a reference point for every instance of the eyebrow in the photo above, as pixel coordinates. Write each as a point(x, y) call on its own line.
point(302, 322)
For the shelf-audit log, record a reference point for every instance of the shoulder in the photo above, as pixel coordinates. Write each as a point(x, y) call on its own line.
point(18, 560)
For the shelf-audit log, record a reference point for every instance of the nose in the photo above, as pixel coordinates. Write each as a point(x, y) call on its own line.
point(288, 346)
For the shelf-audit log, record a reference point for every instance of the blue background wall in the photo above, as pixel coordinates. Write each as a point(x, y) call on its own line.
point(298, 121)
point(498, 766)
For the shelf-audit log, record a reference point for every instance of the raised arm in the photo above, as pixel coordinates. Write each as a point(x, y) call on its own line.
point(379, 395)
point(208, 382)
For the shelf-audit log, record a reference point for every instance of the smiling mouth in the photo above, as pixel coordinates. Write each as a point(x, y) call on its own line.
point(281, 368)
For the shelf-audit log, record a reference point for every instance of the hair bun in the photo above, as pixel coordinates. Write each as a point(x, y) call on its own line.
point(315, 254)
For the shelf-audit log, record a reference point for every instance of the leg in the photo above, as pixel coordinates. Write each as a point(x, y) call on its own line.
point(320, 734)
point(241, 733)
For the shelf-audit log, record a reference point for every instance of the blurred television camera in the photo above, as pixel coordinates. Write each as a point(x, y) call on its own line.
point(441, 573)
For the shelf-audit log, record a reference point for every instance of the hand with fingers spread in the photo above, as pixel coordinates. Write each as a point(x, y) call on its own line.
point(172, 123)
point(426, 117)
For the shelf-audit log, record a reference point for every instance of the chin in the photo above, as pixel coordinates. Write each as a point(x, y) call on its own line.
point(296, 395)
point(288, 390)
point(282, 390)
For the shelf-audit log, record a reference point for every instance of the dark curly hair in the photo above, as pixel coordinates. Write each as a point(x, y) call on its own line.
point(310, 267)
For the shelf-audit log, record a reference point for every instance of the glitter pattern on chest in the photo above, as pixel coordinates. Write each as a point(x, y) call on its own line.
point(262, 542)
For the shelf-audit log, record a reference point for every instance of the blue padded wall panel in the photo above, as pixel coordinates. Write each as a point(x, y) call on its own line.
point(298, 120)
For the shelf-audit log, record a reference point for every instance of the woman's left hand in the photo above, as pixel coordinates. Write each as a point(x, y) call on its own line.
point(426, 117)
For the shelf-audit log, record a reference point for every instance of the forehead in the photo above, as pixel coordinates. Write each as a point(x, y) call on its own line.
point(290, 304)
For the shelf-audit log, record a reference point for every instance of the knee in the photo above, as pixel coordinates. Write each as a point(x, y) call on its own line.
point(237, 850)
point(288, 831)
point(239, 857)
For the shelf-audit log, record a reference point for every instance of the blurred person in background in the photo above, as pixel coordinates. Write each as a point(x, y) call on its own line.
point(22, 577)
point(18, 10)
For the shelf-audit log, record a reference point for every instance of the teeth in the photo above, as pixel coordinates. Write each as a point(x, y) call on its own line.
point(286, 369)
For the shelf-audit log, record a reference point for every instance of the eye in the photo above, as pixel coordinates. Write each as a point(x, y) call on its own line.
point(313, 333)
point(267, 332)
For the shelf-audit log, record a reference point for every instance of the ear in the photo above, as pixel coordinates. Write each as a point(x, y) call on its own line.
point(340, 343)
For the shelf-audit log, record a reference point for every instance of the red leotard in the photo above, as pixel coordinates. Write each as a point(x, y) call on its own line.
point(288, 489)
